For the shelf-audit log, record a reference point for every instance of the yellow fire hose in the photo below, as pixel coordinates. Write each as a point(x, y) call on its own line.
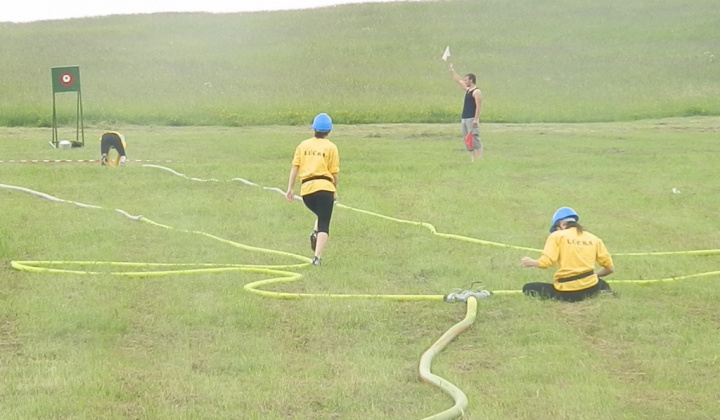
point(461, 401)
point(280, 275)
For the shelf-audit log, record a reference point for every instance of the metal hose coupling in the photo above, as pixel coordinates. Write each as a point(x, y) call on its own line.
point(459, 295)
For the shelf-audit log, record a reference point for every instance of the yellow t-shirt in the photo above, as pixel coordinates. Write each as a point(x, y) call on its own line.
point(317, 158)
point(574, 255)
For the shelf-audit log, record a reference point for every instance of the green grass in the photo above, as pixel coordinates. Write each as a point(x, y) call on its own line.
point(199, 346)
point(537, 61)
point(623, 104)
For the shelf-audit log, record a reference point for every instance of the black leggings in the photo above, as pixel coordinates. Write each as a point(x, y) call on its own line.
point(547, 291)
point(321, 203)
point(110, 141)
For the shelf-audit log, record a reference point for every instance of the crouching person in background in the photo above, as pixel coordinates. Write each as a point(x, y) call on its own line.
point(112, 140)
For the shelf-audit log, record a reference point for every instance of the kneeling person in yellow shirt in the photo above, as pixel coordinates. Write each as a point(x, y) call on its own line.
point(575, 252)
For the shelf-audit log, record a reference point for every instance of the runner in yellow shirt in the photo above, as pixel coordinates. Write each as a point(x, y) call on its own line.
point(317, 163)
point(575, 252)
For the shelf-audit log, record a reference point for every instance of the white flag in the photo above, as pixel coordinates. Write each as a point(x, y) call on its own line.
point(446, 54)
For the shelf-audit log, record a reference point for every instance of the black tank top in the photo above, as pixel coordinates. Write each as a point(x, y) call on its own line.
point(469, 106)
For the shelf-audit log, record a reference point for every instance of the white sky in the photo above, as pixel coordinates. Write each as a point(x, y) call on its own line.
point(32, 10)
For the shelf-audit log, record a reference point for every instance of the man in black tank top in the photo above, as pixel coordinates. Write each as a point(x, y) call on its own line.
point(471, 113)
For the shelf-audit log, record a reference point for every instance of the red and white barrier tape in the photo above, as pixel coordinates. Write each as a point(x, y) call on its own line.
point(75, 161)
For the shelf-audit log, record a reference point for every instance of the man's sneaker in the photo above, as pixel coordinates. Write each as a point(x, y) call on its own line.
point(103, 161)
point(313, 239)
point(316, 261)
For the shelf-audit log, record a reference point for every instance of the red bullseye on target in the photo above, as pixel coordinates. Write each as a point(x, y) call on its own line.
point(67, 79)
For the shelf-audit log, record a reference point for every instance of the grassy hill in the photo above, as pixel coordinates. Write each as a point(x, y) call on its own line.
point(536, 61)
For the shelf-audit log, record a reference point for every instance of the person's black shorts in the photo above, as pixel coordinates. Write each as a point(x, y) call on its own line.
point(547, 291)
point(111, 141)
point(321, 203)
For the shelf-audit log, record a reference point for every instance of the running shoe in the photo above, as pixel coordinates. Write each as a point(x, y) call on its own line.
point(313, 240)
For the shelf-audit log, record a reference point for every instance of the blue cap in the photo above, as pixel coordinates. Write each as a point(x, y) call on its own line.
point(561, 214)
point(322, 122)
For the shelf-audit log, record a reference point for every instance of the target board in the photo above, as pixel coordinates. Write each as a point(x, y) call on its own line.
point(66, 79)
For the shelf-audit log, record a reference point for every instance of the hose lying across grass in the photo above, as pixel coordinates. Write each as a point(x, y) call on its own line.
point(279, 274)
point(461, 401)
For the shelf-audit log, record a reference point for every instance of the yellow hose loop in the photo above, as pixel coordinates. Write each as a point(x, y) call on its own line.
point(665, 253)
point(254, 288)
point(666, 280)
point(428, 226)
point(280, 276)
point(231, 243)
point(45, 267)
point(434, 231)
point(461, 401)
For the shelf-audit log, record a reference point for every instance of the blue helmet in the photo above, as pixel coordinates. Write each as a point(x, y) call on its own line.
point(322, 122)
point(561, 214)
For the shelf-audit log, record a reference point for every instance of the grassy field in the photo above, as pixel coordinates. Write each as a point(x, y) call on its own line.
point(608, 108)
point(193, 346)
point(536, 61)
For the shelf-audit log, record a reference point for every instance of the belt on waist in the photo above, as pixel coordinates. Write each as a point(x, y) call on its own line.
point(312, 178)
point(578, 277)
